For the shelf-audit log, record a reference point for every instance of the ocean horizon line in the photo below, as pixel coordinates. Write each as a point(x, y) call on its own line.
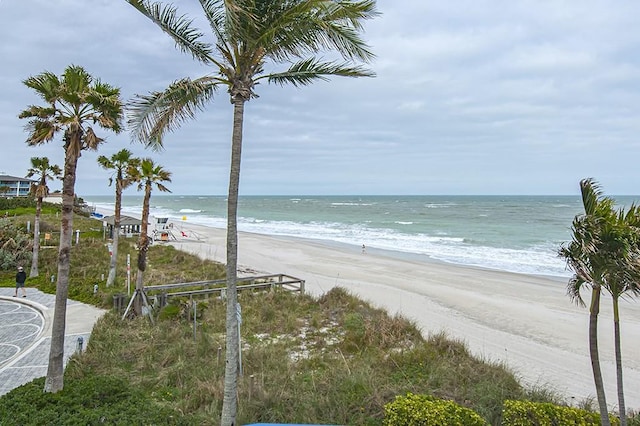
point(356, 195)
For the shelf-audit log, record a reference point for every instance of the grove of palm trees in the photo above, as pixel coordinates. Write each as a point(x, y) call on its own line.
point(377, 357)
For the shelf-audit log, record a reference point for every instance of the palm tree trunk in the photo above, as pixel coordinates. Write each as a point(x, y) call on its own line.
point(595, 358)
point(36, 239)
point(55, 371)
point(143, 247)
point(116, 234)
point(114, 255)
point(616, 333)
point(230, 402)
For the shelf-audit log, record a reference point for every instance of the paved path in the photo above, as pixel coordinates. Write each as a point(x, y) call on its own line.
point(25, 334)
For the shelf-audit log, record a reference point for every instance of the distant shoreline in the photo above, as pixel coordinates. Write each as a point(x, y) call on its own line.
point(329, 244)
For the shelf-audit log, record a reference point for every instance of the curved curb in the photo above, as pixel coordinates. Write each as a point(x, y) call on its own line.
point(25, 301)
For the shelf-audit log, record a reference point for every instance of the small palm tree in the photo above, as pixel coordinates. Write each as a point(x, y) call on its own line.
point(621, 241)
point(40, 167)
point(73, 102)
point(120, 162)
point(247, 35)
point(146, 174)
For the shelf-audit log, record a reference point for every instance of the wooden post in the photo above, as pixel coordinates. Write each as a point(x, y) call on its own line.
point(195, 316)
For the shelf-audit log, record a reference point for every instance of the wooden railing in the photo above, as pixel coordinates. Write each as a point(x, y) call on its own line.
point(197, 288)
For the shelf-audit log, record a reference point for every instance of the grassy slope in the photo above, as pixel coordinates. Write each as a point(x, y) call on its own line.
point(329, 360)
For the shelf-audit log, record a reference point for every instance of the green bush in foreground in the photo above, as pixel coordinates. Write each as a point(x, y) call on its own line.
point(527, 413)
point(417, 410)
point(97, 400)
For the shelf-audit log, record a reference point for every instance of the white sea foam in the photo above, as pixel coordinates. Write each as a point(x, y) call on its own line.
point(487, 232)
point(439, 205)
point(351, 204)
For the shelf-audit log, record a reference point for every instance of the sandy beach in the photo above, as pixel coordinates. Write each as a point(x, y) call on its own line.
point(526, 322)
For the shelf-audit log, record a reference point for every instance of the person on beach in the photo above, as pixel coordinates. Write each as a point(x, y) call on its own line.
point(21, 277)
point(364, 249)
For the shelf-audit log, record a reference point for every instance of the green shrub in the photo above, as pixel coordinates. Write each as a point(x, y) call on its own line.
point(15, 246)
point(633, 418)
point(527, 413)
point(418, 410)
point(93, 400)
point(16, 202)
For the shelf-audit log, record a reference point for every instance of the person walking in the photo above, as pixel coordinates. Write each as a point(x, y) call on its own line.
point(21, 277)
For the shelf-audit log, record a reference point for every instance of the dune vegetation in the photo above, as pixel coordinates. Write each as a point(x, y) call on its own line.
point(330, 360)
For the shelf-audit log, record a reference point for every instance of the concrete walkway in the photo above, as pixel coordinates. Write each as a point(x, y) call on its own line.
point(25, 334)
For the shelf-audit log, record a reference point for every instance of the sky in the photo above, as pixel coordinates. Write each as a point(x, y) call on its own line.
point(470, 97)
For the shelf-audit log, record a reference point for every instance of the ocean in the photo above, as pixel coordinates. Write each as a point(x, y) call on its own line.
point(519, 234)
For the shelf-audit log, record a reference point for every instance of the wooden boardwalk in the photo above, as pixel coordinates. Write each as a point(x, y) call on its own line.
point(200, 288)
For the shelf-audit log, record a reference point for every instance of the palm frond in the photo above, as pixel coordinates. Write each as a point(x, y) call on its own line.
point(306, 27)
point(43, 113)
point(178, 27)
point(151, 116)
point(214, 10)
point(146, 173)
point(40, 131)
point(75, 83)
point(90, 140)
point(238, 17)
point(573, 291)
point(591, 193)
point(226, 52)
point(45, 84)
point(105, 106)
point(307, 71)
point(163, 188)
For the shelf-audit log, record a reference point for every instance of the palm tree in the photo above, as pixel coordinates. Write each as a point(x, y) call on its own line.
point(246, 36)
point(146, 175)
point(40, 167)
point(590, 258)
point(72, 103)
point(119, 162)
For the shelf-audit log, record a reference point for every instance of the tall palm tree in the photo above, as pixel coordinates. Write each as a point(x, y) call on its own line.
point(40, 167)
point(247, 35)
point(73, 102)
point(586, 255)
point(119, 163)
point(146, 174)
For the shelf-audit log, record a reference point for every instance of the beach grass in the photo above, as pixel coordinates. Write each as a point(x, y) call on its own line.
point(330, 360)
point(333, 359)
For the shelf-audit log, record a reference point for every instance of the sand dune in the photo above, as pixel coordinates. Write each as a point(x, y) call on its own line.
point(525, 321)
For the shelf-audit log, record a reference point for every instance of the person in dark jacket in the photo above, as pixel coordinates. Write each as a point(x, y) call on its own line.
point(21, 277)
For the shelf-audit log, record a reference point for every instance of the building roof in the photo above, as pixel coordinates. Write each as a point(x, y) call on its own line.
point(124, 220)
point(14, 178)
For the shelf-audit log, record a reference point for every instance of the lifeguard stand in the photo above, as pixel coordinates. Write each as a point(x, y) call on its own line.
point(163, 230)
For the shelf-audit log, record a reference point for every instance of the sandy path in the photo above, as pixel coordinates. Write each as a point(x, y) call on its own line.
point(524, 321)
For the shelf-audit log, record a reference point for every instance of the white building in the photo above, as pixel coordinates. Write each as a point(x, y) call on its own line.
point(11, 186)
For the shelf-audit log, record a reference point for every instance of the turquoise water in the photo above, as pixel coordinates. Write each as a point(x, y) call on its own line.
point(512, 233)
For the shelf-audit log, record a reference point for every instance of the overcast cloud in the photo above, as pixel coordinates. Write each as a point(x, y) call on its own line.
point(471, 97)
